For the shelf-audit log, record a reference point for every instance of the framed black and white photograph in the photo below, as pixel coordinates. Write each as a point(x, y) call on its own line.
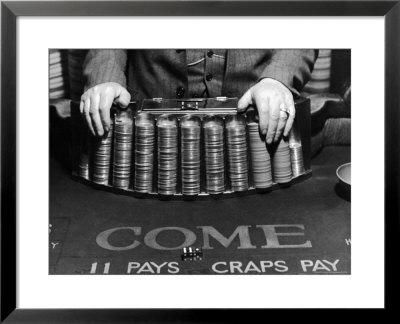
point(229, 136)
point(196, 155)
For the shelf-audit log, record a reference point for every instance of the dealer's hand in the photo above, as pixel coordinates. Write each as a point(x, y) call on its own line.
point(96, 103)
point(275, 107)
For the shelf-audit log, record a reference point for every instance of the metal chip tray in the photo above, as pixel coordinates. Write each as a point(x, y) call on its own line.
point(221, 106)
point(97, 162)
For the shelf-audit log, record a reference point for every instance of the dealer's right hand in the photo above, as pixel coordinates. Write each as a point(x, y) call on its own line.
point(96, 103)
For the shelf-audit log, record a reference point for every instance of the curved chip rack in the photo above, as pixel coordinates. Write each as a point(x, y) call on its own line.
point(181, 113)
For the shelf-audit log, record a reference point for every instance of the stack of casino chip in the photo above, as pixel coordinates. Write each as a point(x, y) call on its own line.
point(76, 58)
point(281, 162)
point(190, 127)
point(58, 74)
point(214, 154)
point(260, 158)
point(235, 127)
point(167, 129)
point(123, 138)
point(102, 157)
point(144, 152)
point(85, 154)
point(296, 155)
point(320, 81)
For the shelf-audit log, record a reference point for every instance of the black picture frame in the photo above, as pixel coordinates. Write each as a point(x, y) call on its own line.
point(11, 10)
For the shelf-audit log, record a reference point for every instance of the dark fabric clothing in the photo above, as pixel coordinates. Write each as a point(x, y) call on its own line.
point(165, 73)
point(206, 70)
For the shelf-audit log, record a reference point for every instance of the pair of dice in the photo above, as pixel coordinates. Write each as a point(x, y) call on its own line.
point(192, 254)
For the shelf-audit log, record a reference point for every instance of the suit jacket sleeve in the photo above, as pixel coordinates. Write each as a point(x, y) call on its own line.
point(103, 65)
point(291, 67)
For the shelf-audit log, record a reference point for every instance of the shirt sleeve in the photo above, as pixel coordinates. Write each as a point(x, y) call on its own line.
point(102, 65)
point(291, 67)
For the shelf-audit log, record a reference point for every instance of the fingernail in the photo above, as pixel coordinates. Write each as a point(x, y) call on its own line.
point(264, 131)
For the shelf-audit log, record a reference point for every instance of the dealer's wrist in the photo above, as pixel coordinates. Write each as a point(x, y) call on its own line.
point(269, 80)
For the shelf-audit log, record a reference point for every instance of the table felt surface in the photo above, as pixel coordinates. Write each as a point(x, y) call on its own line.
point(315, 212)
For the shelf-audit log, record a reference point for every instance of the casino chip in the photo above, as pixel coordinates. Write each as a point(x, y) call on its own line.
point(102, 157)
point(235, 127)
point(167, 129)
point(58, 74)
point(281, 162)
point(190, 127)
point(123, 140)
point(144, 152)
point(260, 158)
point(213, 129)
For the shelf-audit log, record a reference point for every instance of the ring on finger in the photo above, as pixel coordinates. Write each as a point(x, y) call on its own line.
point(291, 111)
point(283, 115)
point(283, 109)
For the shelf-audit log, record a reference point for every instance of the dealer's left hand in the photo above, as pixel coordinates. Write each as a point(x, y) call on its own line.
point(275, 106)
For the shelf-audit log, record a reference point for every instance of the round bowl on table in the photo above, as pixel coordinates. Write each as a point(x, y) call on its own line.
point(343, 173)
